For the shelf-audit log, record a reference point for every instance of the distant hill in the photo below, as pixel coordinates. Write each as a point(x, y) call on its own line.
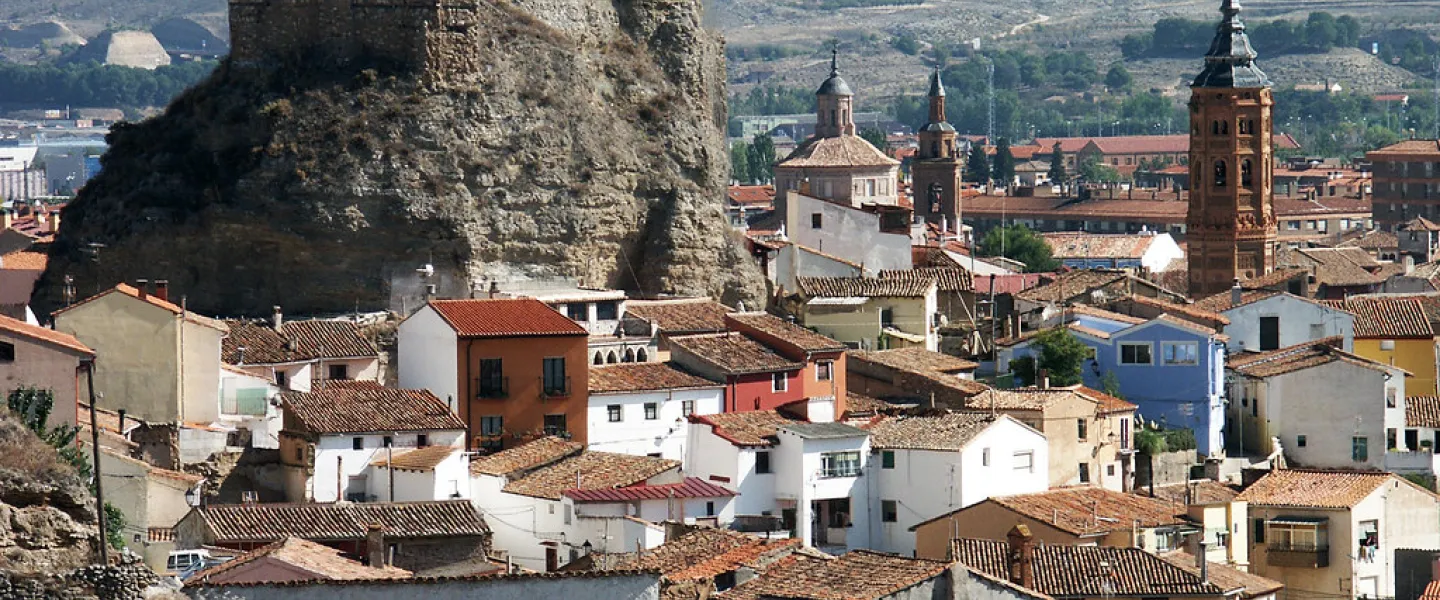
point(89, 17)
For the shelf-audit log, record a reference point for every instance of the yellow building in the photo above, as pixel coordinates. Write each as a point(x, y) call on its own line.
point(1394, 330)
point(870, 314)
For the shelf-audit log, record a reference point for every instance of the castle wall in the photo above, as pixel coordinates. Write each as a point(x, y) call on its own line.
point(390, 30)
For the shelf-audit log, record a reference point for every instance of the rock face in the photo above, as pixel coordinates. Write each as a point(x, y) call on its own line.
point(331, 156)
point(47, 517)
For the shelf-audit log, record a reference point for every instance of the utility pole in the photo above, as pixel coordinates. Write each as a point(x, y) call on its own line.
point(95, 452)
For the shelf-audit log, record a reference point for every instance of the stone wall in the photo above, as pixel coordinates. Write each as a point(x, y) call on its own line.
point(391, 30)
point(1169, 468)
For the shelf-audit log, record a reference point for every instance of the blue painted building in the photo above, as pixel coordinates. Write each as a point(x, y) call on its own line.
point(1174, 370)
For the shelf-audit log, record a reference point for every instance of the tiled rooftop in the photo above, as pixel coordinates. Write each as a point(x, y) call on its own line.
point(1422, 411)
point(152, 300)
point(1339, 266)
point(946, 431)
point(589, 471)
point(952, 279)
point(839, 151)
point(802, 339)
point(24, 260)
point(1204, 491)
point(1225, 576)
point(916, 360)
point(1098, 245)
point(734, 354)
point(500, 318)
point(530, 455)
point(311, 561)
point(1088, 571)
point(681, 316)
point(641, 377)
point(43, 335)
point(358, 408)
point(1036, 399)
point(691, 487)
point(746, 429)
point(1299, 357)
point(707, 552)
point(1224, 301)
point(1386, 317)
point(296, 341)
point(857, 404)
point(823, 431)
point(1303, 488)
point(341, 521)
point(414, 459)
point(1087, 511)
point(863, 287)
point(857, 575)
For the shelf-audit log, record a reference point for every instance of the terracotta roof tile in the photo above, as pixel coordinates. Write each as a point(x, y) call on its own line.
point(1107, 404)
point(951, 279)
point(1225, 576)
point(1386, 317)
point(1036, 399)
point(640, 377)
point(1223, 301)
point(297, 341)
point(857, 575)
point(1075, 510)
point(1422, 411)
point(517, 317)
point(1007, 284)
point(691, 487)
point(706, 552)
point(318, 560)
point(1204, 491)
point(1432, 591)
point(1313, 489)
point(1098, 245)
point(839, 151)
point(24, 260)
point(802, 339)
point(415, 459)
point(750, 429)
point(947, 431)
point(1427, 148)
point(1191, 312)
point(751, 195)
point(1088, 571)
point(864, 287)
point(681, 317)
point(43, 335)
point(152, 300)
point(357, 408)
point(1339, 267)
point(1297, 358)
point(1082, 282)
point(531, 455)
point(857, 404)
point(734, 354)
point(1374, 239)
point(341, 521)
point(916, 360)
point(589, 471)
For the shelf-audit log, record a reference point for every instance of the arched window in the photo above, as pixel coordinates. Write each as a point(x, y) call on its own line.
point(610, 358)
point(1214, 128)
point(935, 149)
point(1224, 128)
point(1219, 173)
point(599, 359)
point(642, 356)
point(1245, 173)
point(832, 118)
point(629, 355)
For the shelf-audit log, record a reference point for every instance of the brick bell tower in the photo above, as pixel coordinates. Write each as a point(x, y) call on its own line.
point(1231, 224)
point(936, 170)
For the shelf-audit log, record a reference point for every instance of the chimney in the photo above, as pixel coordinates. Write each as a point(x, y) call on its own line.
point(1236, 292)
point(52, 220)
point(162, 289)
point(805, 186)
point(143, 286)
point(7, 219)
point(277, 320)
point(494, 289)
point(1022, 555)
point(1042, 380)
point(375, 545)
point(1203, 563)
point(1409, 262)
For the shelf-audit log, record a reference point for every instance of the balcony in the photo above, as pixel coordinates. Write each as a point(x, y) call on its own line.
point(1305, 556)
point(492, 387)
point(551, 387)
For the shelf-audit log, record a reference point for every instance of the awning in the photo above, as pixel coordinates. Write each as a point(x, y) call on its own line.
point(909, 337)
point(841, 301)
point(1299, 521)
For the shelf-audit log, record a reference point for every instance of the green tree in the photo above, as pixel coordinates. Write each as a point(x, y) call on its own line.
point(977, 166)
point(33, 407)
point(1003, 169)
point(1110, 384)
point(1094, 171)
point(1017, 242)
point(906, 43)
point(1057, 352)
point(740, 163)
point(1118, 77)
point(875, 137)
point(1057, 165)
point(761, 159)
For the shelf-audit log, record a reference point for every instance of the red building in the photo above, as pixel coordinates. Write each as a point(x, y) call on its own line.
point(824, 375)
point(755, 377)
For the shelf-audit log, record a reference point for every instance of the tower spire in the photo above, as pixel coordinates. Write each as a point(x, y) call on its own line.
point(937, 87)
point(834, 62)
point(1230, 62)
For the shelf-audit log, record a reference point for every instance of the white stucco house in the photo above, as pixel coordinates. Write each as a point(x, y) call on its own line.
point(251, 402)
point(1262, 320)
point(933, 464)
point(1144, 251)
point(805, 478)
point(641, 408)
point(296, 355)
point(874, 237)
point(334, 435)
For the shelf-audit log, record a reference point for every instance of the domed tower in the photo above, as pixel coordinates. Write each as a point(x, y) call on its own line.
point(834, 103)
point(936, 167)
point(1231, 227)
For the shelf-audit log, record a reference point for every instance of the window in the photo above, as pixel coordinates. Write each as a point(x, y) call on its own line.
point(1025, 461)
point(555, 425)
point(824, 370)
point(710, 508)
point(887, 317)
point(1135, 354)
point(887, 459)
point(569, 513)
point(1084, 472)
point(985, 457)
point(492, 379)
point(869, 187)
point(357, 443)
point(387, 442)
point(608, 310)
point(1299, 439)
point(1292, 226)
point(1269, 333)
point(652, 411)
point(613, 411)
point(762, 462)
point(1258, 535)
point(1220, 173)
point(1110, 470)
point(687, 407)
point(817, 220)
point(1309, 225)
point(1181, 353)
point(1245, 176)
point(1360, 448)
point(492, 425)
point(840, 464)
point(889, 511)
point(7, 352)
point(1392, 438)
point(778, 382)
point(279, 378)
point(578, 311)
point(1082, 429)
point(1390, 397)
point(1412, 440)
point(555, 381)
point(339, 372)
point(422, 440)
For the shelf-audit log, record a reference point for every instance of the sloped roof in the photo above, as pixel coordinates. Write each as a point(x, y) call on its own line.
point(948, 431)
point(858, 574)
point(24, 260)
point(341, 521)
point(530, 455)
point(152, 300)
point(358, 408)
point(1089, 511)
point(43, 335)
point(414, 459)
point(1099, 245)
point(1223, 301)
point(296, 341)
point(1386, 317)
point(706, 552)
point(1297, 358)
point(864, 287)
point(505, 317)
point(691, 487)
point(947, 279)
point(734, 353)
point(643, 377)
point(1080, 282)
point(1407, 148)
point(589, 471)
point(749, 429)
point(682, 316)
point(1304, 488)
point(1225, 576)
point(318, 560)
point(1342, 266)
point(1088, 571)
point(839, 151)
point(916, 359)
point(1204, 491)
point(1036, 399)
point(801, 338)
point(1422, 411)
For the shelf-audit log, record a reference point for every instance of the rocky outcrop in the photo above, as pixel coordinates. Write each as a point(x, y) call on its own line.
point(47, 516)
point(582, 139)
